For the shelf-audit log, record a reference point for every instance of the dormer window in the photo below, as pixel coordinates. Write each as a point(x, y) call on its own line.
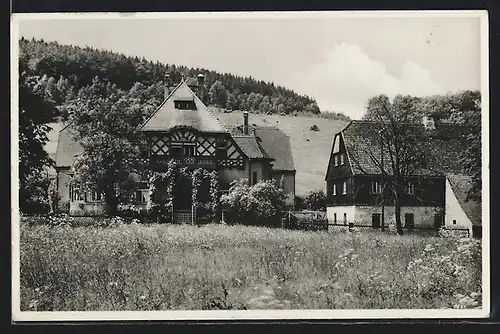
point(185, 105)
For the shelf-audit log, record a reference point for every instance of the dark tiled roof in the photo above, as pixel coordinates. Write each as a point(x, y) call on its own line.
point(250, 147)
point(274, 142)
point(441, 149)
point(461, 185)
point(67, 148)
point(167, 116)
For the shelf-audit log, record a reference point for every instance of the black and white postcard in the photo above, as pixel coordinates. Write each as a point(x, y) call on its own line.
point(259, 165)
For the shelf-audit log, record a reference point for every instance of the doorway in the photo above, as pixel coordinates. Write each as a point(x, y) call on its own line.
point(438, 220)
point(409, 221)
point(376, 219)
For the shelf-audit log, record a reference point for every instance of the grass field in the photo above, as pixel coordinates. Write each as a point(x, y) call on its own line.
point(160, 267)
point(311, 149)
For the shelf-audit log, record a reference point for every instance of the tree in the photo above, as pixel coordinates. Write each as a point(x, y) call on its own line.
point(217, 94)
point(105, 121)
point(36, 109)
point(315, 200)
point(398, 154)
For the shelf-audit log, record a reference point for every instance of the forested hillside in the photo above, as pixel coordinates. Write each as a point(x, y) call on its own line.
point(68, 69)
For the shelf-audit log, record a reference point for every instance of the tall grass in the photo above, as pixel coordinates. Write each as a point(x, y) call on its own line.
point(136, 267)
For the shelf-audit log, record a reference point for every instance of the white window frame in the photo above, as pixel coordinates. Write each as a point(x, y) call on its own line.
point(76, 194)
point(410, 188)
point(94, 197)
point(334, 189)
point(344, 188)
point(376, 187)
point(335, 159)
point(341, 158)
point(144, 194)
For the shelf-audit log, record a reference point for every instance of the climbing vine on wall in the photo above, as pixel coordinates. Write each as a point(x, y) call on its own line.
point(161, 188)
point(205, 207)
point(204, 195)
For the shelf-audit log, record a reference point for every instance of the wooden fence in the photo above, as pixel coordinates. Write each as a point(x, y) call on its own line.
point(317, 221)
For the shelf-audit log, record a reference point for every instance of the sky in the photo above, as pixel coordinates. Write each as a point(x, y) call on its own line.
point(339, 61)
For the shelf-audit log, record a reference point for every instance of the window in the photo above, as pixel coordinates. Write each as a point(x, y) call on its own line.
point(335, 159)
point(376, 187)
point(336, 144)
point(334, 189)
point(221, 149)
point(224, 188)
point(341, 157)
point(188, 150)
point(75, 193)
point(141, 195)
point(454, 222)
point(344, 188)
point(254, 178)
point(185, 105)
point(335, 218)
point(410, 188)
point(178, 150)
point(94, 196)
point(345, 218)
point(438, 220)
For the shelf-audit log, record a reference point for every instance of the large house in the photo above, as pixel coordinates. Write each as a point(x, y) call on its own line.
point(434, 195)
point(183, 129)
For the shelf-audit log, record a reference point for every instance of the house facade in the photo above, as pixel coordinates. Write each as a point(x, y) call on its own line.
point(182, 129)
point(434, 195)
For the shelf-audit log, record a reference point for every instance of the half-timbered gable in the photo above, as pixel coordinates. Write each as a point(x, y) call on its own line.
point(182, 129)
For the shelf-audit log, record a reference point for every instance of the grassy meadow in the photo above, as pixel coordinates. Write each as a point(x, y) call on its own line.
point(162, 267)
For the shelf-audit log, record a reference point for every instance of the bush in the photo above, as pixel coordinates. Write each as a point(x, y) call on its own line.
point(261, 204)
point(315, 200)
point(299, 203)
point(34, 193)
point(131, 210)
point(314, 128)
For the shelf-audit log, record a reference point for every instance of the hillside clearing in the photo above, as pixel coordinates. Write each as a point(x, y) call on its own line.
point(161, 267)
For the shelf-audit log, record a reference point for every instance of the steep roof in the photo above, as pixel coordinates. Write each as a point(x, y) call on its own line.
point(460, 185)
point(167, 116)
point(67, 148)
point(251, 147)
point(441, 148)
point(274, 142)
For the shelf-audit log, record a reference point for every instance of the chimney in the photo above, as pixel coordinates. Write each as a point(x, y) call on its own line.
point(429, 123)
point(167, 85)
point(200, 79)
point(245, 122)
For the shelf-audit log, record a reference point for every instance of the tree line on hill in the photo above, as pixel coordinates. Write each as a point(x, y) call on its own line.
point(68, 69)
